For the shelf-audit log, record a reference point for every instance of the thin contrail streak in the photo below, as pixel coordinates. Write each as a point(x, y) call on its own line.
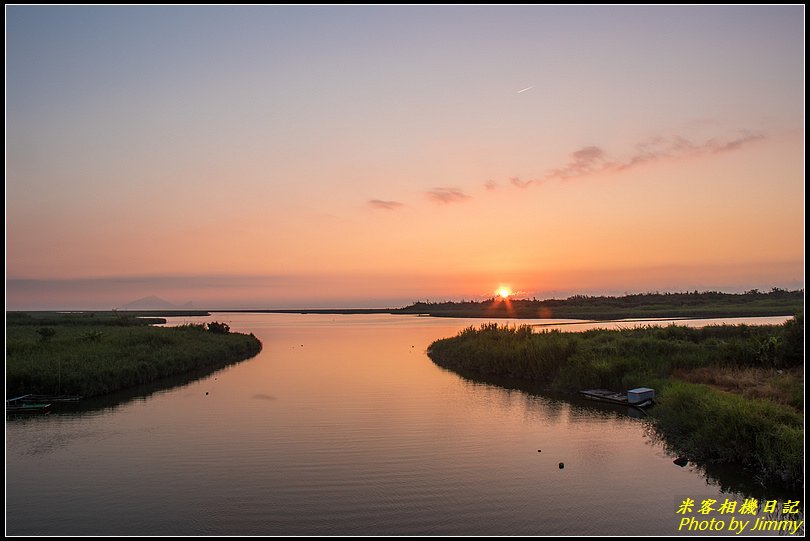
point(525, 89)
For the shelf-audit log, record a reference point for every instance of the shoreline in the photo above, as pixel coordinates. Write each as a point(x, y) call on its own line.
point(687, 367)
point(676, 306)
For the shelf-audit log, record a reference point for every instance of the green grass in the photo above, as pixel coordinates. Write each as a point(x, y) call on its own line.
point(101, 357)
point(703, 422)
point(715, 427)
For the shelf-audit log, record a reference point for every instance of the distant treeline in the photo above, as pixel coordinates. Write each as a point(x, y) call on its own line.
point(776, 302)
point(111, 317)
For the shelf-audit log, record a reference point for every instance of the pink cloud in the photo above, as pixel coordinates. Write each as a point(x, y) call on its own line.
point(385, 205)
point(447, 195)
point(592, 159)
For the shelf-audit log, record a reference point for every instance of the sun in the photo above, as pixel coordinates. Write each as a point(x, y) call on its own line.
point(504, 293)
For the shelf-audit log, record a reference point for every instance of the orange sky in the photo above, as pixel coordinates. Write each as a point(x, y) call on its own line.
point(282, 161)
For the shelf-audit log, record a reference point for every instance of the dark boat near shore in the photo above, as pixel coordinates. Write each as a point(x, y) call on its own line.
point(637, 398)
point(28, 408)
point(22, 404)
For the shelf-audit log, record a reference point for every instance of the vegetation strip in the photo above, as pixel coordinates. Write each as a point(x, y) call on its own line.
point(694, 304)
point(708, 304)
point(94, 355)
point(762, 433)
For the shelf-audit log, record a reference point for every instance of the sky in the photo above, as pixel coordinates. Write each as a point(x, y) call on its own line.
point(361, 156)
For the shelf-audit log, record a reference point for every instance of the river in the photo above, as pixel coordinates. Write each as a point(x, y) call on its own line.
point(342, 425)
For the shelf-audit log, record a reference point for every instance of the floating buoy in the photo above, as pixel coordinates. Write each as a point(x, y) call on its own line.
point(539, 450)
point(206, 393)
point(562, 465)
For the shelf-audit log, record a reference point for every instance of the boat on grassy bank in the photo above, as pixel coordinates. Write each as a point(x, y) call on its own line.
point(22, 405)
point(28, 408)
point(641, 397)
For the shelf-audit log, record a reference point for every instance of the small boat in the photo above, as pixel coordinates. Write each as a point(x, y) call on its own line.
point(28, 408)
point(21, 405)
point(603, 395)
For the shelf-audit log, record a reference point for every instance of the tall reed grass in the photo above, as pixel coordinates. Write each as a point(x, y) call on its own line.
point(91, 360)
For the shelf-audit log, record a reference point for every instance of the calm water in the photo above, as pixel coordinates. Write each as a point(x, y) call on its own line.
point(342, 425)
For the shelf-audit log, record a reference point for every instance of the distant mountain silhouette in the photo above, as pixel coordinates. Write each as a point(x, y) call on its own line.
point(152, 303)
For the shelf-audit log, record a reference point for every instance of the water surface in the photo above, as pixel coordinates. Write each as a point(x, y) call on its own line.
point(342, 425)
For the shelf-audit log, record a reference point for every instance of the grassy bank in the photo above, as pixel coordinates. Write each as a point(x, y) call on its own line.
point(776, 302)
point(758, 426)
point(91, 356)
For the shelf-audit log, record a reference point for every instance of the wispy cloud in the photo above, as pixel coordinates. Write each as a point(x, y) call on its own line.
point(384, 205)
point(592, 159)
point(583, 162)
point(515, 181)
point(447, 195)
point(718, 147)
